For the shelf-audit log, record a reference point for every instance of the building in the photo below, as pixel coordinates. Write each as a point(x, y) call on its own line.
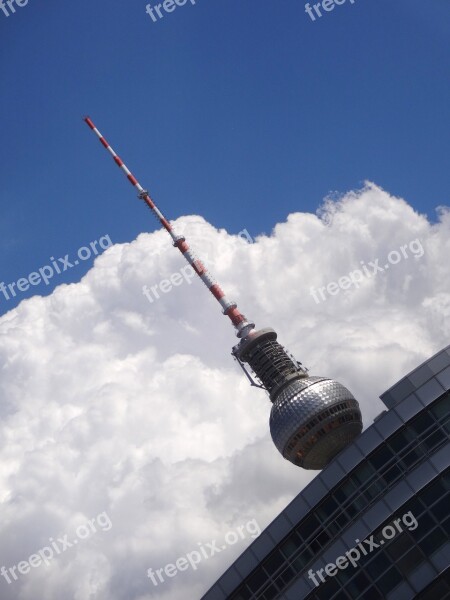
point(385, 497)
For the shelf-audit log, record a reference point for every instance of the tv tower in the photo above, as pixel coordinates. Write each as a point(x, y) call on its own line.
point(312, 418)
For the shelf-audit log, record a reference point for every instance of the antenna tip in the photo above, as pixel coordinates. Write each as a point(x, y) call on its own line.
point(87, 120)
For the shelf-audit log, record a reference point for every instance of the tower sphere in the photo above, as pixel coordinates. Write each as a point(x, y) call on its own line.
point(312, 419)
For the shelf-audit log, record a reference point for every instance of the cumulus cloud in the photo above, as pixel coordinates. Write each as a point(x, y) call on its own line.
point(114, 404)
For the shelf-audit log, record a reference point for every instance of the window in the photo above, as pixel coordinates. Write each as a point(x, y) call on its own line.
point(289, 547)
point(270, 593)
point(372, 594)
point(410, 561)
point(438, 589)
point(426, 524)
point(323, 538)
point(441, 409)
point(373, 490)
point(378, 565)
point(363, 473)
point(441, 509)
point(285, 577)
point(256, 580)
point(399, 545)
point(243, 594)
point(446, 526)
point(411, 457)
point(381, 457)
point(327, 508)
point(422, 422)
point(345, 491)
point(392, 474)
point(400, 440)
point(435, 490)
point(433, 541)
point(342, 520)
point(435, 438)
point(360, 502)
point(274, 562)
point(389, 580)
point(327, 590)
point(357, 585)
point(303, 559)
point(309, 526)
point(415, 506)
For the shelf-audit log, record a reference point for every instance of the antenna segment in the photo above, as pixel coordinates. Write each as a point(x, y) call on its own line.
point(241, 324)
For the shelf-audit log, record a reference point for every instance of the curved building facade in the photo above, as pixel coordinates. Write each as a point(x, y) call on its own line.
point(375, 523)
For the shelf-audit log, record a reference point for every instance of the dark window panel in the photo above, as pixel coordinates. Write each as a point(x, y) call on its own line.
point(285, 577)
point(381, 457)
point(351, 510)
point(392, 474)
point(342, 520)
point(374, 489)
point(323, 538)
point(357, 585)
point(433, 541)
point(327, 508)
point(441, 409)
point(408, 563)
point(411, 457)
point(446, 526)
point(302, 560)
point(270, 593)
point(243, 594)
point(291, 545)
point(422, 422)
point(441, 510)
point(387, 582)
point(373, 594)
point(401, 439)
point(326, 590)
point(378, 565)
point(363, 473)
point(432, 493)
point(425, 524)
point(360, 502)
point(345, 490)
point(342, 595)
point(333, 529)
point(399, 545)
point(309, 526)
point(415, 506)
point(256, 580)
point(434, 439)
point(274, 562)
point(439, 590)
point(446, 480)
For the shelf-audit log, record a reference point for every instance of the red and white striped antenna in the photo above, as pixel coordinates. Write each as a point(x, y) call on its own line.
point(243, 327)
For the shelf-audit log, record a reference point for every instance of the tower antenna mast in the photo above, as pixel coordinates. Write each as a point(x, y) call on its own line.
point(241, 324)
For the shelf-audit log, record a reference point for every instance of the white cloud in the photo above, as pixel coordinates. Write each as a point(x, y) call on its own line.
point(112, 403)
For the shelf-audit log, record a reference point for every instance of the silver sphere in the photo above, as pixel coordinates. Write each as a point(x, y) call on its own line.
point(312, 419)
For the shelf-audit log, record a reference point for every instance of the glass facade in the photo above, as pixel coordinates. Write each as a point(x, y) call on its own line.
point(399, 464)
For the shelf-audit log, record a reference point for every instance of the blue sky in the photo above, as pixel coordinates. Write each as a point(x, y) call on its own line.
point(242, 112)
